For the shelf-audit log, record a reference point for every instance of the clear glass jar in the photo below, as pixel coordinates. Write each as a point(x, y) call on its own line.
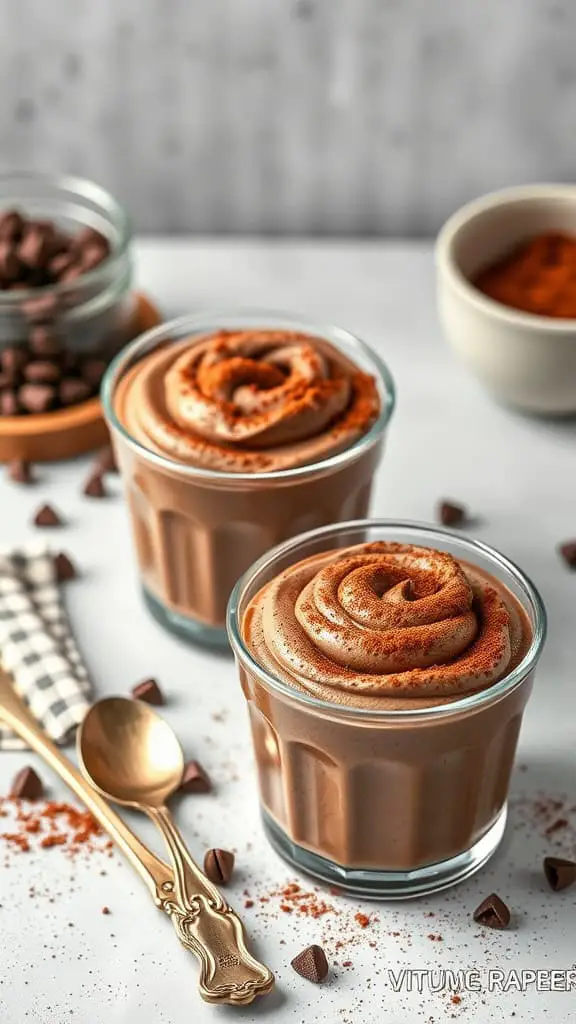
point(196, 529)
point(95, 311)
point(384, 803)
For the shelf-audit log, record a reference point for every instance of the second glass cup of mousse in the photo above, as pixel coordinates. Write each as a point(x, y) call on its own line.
point(234, 432)
point(386, 668)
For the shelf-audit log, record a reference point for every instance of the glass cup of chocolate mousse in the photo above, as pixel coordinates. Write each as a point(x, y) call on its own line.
point(386, 668)
point(234, 432)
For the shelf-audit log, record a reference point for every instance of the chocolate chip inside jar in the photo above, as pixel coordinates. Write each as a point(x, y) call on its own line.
point(39, 372)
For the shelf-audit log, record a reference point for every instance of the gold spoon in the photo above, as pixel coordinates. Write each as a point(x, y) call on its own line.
point(133, 757)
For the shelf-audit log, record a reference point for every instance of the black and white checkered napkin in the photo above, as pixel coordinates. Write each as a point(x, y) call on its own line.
point(37, 646)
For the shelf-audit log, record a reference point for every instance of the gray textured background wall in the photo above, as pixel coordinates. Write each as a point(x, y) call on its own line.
point(291, 116)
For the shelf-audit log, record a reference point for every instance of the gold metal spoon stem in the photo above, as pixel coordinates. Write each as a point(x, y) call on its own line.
point(133, 757)
point(14, 713)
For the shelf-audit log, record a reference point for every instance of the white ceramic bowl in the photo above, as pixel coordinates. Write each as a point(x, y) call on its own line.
point(524, 360)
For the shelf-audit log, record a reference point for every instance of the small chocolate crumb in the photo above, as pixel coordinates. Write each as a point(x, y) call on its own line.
point(94, 487)
point(106, 461)
point(194, 779)
point(568, 552)
point(105, 910)
point(451, 514)
point(311, 964)
point(27, 785)
point(149, 692)
point(19, 471)
point(492, 912)
point(65, 569)
point(219, 865)
point(46, 516)
point(560, 873)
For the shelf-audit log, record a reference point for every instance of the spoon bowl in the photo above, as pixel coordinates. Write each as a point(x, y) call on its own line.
point(129, 752)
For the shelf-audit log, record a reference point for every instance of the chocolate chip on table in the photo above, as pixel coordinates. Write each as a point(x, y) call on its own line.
point(27, 785)
point(492, 912)
point(94, 486)
point(19, 471)
point(194, 779)
point(148, 691)
point(560, 872)
point(451, 514)
point(37, 398)
point(72, 391)
point(106, 461)
point(44, 342)
point(46, 516)
point(65, 569)
point(568, 552)
point(9, 403)
point(219, 865)
point(311, 964)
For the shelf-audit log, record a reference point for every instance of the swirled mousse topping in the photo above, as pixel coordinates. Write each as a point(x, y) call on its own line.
point(386, 620)
point(248, 401)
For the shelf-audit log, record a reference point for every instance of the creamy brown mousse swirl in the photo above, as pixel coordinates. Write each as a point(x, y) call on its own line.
point(385, 620)
point(248, 401)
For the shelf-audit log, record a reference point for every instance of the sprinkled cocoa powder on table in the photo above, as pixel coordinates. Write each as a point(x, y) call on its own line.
point(52, 823)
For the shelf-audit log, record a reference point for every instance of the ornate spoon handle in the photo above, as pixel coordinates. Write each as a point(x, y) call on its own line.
point(209, 927)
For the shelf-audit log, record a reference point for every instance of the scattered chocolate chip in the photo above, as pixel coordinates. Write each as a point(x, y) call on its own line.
point(194, 779)
point(92, 372)
point(451, 514)
point(560, 873)
point(568, 552)
point(37, 398)
point(42, 308)
point(64, 568)
point(73, 391)
point(311, 964)
point(19, 471)
point(13, 359)
point(106, 461)
point(105, 910)
point(94, 487)
point(492, 912)
point(42, 371)
point(148, 691)
point(44, 342)
point(27, 785)
point(11, 225)
point(46, 516)
point(9, 404)
point(219, 865)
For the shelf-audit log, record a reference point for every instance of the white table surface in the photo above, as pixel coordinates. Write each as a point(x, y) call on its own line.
point(64, 961)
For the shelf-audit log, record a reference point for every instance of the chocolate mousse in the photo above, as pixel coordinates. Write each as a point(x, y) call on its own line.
point(217, 420)
point(366, 765)
point(248, 401)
